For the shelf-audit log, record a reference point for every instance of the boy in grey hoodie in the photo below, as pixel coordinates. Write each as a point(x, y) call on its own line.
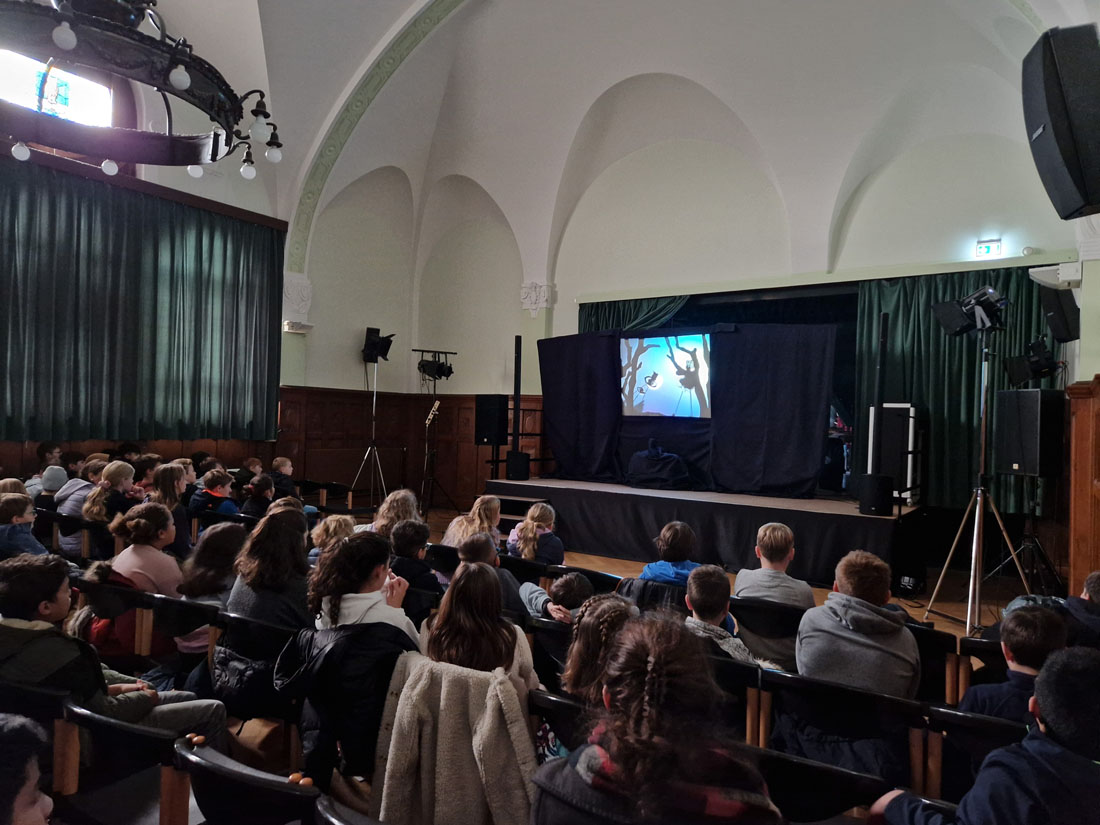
point(854, 639)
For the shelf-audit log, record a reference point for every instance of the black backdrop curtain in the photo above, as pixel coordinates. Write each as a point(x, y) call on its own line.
point(940, 374)
point(629, 314)
point(129, 316)
point(770, 387)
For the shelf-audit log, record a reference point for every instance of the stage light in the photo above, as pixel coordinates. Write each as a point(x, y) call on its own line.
point(979, 310)
point(434, 370)
point(1038, 363)
point(376, 346)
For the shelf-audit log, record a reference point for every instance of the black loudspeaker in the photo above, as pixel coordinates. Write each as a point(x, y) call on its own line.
point(1062, 313)
point(491, 419)
point(518, 466)
point(876, 495)
point(1062, 115)
point(1027, 432)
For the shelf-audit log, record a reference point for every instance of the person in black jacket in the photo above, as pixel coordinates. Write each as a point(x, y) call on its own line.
point(281, 471)
point(410, 543)
point(480, 548)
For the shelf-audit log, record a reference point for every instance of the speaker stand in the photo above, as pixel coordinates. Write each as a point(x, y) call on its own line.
point(371, 455)
point(1041, 574)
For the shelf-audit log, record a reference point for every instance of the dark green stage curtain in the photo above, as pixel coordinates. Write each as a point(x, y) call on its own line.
point(129, 316)
point(940, 373)
point(634, 314)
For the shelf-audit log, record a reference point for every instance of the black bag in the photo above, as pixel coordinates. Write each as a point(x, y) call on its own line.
point(247, 686)
point(655, 469)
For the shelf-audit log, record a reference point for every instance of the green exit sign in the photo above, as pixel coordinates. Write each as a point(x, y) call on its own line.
point(988, 249)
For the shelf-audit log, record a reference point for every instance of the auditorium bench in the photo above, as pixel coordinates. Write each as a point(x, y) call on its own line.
point(522, 569)
point(651, 595)
point(939, 662)
point(772, 620)
point(988, 652)
point(601, 582)
point(442, 558)
point(62, 525)
point(46, 706)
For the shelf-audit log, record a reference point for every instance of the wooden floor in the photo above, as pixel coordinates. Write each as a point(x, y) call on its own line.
point(952, 600)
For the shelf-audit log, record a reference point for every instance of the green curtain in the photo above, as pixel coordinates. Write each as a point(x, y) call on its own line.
point(940, 374)
point(130, 316)
point(636, 313)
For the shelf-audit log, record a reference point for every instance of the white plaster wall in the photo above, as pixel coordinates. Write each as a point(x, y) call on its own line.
point(361, 269)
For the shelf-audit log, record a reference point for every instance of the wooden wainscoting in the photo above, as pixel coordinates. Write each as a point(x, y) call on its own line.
point(326, 433)
point(1084, 509)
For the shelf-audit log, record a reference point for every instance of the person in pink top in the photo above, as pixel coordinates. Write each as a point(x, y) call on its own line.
point(148, 529)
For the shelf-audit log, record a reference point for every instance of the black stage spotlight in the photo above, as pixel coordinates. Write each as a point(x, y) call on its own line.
point(979, 310)
point(1038, 363)
point(376, 346)
point(434, 370)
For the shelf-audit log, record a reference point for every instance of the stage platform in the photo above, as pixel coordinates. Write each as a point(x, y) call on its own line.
point(620, 521)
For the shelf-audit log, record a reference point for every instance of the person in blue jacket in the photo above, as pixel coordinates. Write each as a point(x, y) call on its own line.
point(1053, 776)
point(16, 518)
point(676, 547)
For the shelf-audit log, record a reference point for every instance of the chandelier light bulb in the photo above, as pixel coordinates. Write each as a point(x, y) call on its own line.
point(20, 151)
point(109, 167)
point(179, 78)
point(194, 170)
point(274, 154)
point(248, 170)
point(64, 37)
point(261, 129)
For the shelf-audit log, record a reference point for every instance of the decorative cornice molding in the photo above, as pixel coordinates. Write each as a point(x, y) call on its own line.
point(297, 298)
point(353, 110)
point(534, 296)
point(1088, 237)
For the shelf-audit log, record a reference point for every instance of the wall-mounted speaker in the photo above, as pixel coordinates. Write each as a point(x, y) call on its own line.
point(491, 419)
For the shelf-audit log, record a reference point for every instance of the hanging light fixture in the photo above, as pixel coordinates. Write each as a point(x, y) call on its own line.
point(103, 35)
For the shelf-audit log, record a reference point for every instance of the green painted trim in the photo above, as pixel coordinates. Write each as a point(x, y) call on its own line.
point(350, 114)
point(813, 278)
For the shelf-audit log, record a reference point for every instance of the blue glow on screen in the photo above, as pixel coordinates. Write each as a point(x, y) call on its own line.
point(666, 376)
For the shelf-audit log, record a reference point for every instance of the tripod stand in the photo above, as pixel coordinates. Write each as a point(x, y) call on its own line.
point(1040, 571)
point(429, 483)
point(371, 455)
point(977, 504)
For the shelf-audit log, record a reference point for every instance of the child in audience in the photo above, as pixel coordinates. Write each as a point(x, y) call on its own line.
point(479, 549)
point(1028, 636)
point(594, 628)
point(353, 584)
point(281, 471)
point(16, 518)
point(676, 547)
point(1053, 776)
point(327, 532)
point(114, 494)
point(128, 451)
point(653, 756)
point(204, 467)
point(190, 479)
point(53, 479)
point(70, 502)
point(13, 485)
point(563, 601)
point(249, 469)
point(22, 744)
point(168, 486)
point(534, 539)
point(1083, 613)
point(853, 639)
point(49, 455)
point(145, 466)
point(410, 543)
point(214, 497)
point(271, 573)
point(207, 575)
point(34, 599)
point(483, 517)
point(147, 529)
point(708, 599)
point(469, 631)
point(400, 505)
point(258, 495)
point(72, 462)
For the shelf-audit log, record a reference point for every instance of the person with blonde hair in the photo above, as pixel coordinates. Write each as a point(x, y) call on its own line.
point(114, 494)
point(483, 517)
point(534, 539)
point(327, 533)
point(397, 506)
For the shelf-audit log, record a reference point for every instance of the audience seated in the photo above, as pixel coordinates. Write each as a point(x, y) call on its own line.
point(410, 543)
point(281, 471)
point(147, 529)
point(1083, 613)
point(534, 539)
point(271, 573)
point(562, 603)
point(208, 575)
point(676, 546)
point(249, 469)
point(145, 465)
point(49, 455)
point(205, 466)
point(127, 451)
point(353, 584)
point(190, 478)
point(22, 744)
point(853, 639)
point(168, 487)
point(215, 495)
point(258, 495)
point(1053, 776)
point(483, 517)
point(654, 755)
point(114, 494)
point(400, 505)
point(479, 549)
point(14, 485)
point(16, 520)
point(469, 631)
point(70, 502)
point(327, 533)
point(53, 479)
point(1028, 636)
point(72, 462)
point(594, 628)
point(708, 599)
point(34, 599)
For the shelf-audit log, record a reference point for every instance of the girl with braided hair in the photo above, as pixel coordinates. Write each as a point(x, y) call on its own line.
point(594, 628)
point(148, 529)
point(653, 756)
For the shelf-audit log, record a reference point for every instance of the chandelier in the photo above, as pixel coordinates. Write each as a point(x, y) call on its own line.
point(103, 35)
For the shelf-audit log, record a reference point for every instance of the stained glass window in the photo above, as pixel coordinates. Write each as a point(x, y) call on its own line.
point(66, 95)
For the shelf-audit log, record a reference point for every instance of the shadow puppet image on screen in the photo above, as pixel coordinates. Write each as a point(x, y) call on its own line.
point(666, 376)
